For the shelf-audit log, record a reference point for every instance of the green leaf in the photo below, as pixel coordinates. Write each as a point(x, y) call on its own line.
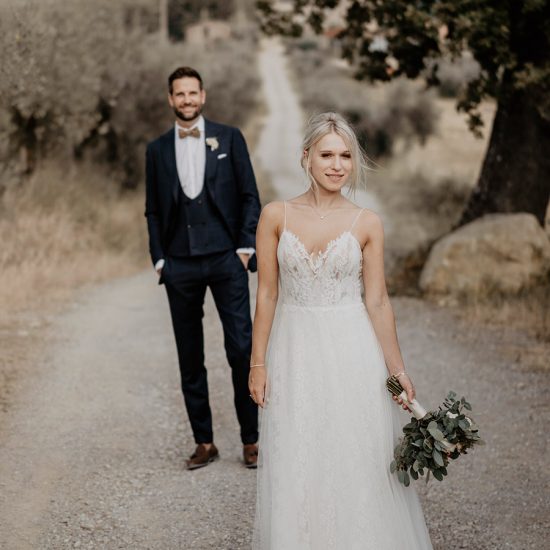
point(464, 424)
point(406, 479)
point(438, 457)
point(401, 476)
point(414, 474)
point(393, 466)
point(437, 434)
point(467, 406)
point(438, 475)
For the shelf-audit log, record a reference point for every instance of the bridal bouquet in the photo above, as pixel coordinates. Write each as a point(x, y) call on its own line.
point(432, 438)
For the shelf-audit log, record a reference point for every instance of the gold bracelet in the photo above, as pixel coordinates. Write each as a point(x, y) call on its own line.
point(257, 365)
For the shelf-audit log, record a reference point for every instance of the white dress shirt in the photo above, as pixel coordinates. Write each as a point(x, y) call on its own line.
point(190, 164)
point(191, 160)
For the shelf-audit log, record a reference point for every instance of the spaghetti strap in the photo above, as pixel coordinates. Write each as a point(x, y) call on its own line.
point(284, 225)
point(356, 218)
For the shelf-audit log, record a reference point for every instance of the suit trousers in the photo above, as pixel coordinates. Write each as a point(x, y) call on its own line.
point(186, 280)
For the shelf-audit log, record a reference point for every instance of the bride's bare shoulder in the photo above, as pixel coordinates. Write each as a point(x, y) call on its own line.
point(369, 227)
point(370, 218)
point(273, 214)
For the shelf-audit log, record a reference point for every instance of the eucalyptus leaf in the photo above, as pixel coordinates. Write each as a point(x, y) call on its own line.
point(464, 424)
point(438, 457)
point(437, 434)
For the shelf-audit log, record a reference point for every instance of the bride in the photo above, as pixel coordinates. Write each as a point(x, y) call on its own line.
point(324, 341)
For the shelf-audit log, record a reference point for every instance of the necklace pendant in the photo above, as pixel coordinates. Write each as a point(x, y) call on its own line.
point(322, 217)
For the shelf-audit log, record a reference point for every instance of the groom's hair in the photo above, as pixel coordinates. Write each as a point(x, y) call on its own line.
point(182, 72)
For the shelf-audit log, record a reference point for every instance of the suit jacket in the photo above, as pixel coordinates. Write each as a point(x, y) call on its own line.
point(228, 178)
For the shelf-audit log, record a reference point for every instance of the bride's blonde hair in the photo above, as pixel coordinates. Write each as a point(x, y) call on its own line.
point(325, 123)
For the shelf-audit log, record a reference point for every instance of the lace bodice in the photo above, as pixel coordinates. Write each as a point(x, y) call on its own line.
point(328, 278)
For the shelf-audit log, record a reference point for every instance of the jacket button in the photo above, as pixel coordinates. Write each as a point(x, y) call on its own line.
point(188, 227)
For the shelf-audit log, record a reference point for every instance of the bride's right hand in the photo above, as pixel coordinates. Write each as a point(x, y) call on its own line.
point(407, 385)
point(256, 384)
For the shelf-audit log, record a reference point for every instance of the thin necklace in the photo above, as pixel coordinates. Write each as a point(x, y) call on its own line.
point(322, 216)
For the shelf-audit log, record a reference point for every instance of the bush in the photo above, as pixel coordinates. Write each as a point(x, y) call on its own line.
point(381, 115)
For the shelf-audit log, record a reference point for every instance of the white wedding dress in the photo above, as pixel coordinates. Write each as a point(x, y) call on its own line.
point(329, 426)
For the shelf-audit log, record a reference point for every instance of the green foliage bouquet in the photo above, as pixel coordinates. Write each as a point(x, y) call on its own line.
point(431, 439)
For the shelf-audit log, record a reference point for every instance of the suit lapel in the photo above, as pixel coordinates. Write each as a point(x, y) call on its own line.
point(211, 159)
point(169, 154)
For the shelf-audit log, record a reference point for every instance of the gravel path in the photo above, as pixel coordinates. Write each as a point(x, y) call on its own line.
point(92, 450)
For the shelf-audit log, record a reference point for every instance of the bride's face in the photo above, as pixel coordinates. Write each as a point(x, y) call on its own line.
point(330, 162)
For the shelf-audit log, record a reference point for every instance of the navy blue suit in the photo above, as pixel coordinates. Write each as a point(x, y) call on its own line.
point(198, 239)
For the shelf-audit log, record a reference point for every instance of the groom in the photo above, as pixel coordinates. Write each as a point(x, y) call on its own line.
point(202, 208)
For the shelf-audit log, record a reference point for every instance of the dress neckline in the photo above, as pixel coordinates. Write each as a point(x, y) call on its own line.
point(316, 259)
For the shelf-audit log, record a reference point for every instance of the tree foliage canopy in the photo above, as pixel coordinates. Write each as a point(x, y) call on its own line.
point(384, 39)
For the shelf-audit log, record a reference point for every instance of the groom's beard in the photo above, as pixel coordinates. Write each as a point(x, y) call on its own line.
point(180, 114)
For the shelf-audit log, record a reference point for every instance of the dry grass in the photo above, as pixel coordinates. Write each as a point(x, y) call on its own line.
point(528, 312)
point(522, 322)
point(63, 229)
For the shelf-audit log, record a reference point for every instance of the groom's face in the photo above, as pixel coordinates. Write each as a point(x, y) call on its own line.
point(187, 98)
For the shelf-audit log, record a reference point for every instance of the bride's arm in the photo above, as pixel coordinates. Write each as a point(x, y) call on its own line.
point(377, 299)
point(267, 239)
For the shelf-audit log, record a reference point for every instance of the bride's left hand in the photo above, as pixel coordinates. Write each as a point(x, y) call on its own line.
point(408, 386)
point(257, 383)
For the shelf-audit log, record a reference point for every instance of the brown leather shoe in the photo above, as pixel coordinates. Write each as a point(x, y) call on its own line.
point(202, 457)
point(250, 455)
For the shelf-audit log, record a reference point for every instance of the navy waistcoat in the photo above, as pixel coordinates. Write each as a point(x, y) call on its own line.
point(199, 228)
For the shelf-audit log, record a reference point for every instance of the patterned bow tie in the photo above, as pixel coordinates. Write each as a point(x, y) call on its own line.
point(195, 132)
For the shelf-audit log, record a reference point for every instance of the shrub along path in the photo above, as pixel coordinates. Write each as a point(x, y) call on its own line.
point(92, 449)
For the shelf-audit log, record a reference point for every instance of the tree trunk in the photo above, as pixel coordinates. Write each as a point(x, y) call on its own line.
point(515, 176)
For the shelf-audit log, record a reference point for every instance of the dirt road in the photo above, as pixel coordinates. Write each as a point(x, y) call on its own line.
point(92, 449)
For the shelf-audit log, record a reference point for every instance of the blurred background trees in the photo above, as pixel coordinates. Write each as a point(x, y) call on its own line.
point(83, 88)
point(87, 81)
point(182, 13)
point(509, 40)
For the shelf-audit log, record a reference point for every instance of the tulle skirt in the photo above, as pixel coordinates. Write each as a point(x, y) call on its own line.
point(327, 436)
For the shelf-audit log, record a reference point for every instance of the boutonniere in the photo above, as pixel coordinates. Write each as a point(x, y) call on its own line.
point(213, 143)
